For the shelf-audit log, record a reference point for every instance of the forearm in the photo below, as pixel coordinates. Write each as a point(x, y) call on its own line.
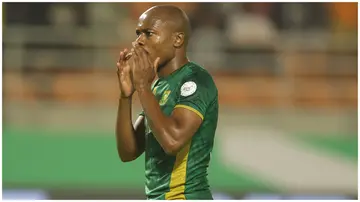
point(125, 133)
point(163, 127)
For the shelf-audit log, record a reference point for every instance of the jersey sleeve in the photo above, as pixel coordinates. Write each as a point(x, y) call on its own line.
point(196, 94)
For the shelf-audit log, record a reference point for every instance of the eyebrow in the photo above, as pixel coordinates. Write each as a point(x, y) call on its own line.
point(145, 30)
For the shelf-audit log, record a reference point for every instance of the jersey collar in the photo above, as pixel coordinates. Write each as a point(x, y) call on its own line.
point(172, 74)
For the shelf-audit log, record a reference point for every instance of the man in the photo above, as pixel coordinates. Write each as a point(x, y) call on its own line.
point(180, 109)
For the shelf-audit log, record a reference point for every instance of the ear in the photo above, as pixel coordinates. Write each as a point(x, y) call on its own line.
point(179, 39)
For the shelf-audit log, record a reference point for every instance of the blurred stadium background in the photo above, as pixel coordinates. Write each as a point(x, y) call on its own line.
point(287, 80)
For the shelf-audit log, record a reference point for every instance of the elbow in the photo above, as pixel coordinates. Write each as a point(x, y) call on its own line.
point(170, 144)
point(126, 159)
point(126, 156)
point(172, 148)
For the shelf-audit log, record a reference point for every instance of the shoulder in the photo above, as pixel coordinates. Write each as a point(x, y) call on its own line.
point(199, 78)
point(198, 74)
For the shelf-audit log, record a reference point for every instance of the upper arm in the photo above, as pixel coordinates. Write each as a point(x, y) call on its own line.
point(195, 96)
point(187, 122)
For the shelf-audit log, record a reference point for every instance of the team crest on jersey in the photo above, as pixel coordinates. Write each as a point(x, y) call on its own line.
point(165, 97)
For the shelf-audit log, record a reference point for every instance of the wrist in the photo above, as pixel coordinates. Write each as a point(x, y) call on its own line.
point(143, 90)
point(123, 97)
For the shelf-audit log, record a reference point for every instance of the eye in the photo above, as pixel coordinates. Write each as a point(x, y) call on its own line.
point(149, 34)
point(137, 32)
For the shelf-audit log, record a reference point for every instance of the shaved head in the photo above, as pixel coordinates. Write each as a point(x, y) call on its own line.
point(164, 32)
point(173, 17)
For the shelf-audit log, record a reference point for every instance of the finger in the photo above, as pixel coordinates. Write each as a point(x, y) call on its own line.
point(148, 59)
point(121, 56)
point(138, 59)
point(132, 68)
point(119, 67)
point(137, 50)
point(135, 66)
point(143, 57)
point(128, 55)
point(146, 56)
point(135, 61)
point(128, 66)
point(125, 51)
point(134, 44)
point(132, 51)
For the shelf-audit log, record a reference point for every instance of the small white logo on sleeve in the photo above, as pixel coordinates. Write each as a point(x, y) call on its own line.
point(188, 88)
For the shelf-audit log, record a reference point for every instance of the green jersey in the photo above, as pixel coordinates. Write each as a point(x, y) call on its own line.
point(183, 176)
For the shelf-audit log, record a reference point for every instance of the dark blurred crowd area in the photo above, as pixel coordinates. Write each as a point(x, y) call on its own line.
point(219, 16)
point(220, 30)
point(44, 44)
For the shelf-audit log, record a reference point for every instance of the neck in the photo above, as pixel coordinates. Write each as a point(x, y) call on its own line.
point(172, 65)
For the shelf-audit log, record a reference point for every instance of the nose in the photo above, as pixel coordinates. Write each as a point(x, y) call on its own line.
point(141, 39)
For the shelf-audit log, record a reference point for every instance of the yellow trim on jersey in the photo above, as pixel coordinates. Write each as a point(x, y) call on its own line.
point(178, 175)
point(154, 90)
point(192, 109)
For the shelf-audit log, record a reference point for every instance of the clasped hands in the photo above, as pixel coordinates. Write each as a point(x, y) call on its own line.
point(135, 70)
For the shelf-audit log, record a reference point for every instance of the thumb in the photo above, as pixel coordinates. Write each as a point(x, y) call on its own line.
point(119, 67)
point(156, 63)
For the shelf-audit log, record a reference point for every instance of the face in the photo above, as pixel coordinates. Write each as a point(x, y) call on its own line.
point(156, 37)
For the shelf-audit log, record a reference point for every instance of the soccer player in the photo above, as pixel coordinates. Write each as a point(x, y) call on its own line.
point(177, 126)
